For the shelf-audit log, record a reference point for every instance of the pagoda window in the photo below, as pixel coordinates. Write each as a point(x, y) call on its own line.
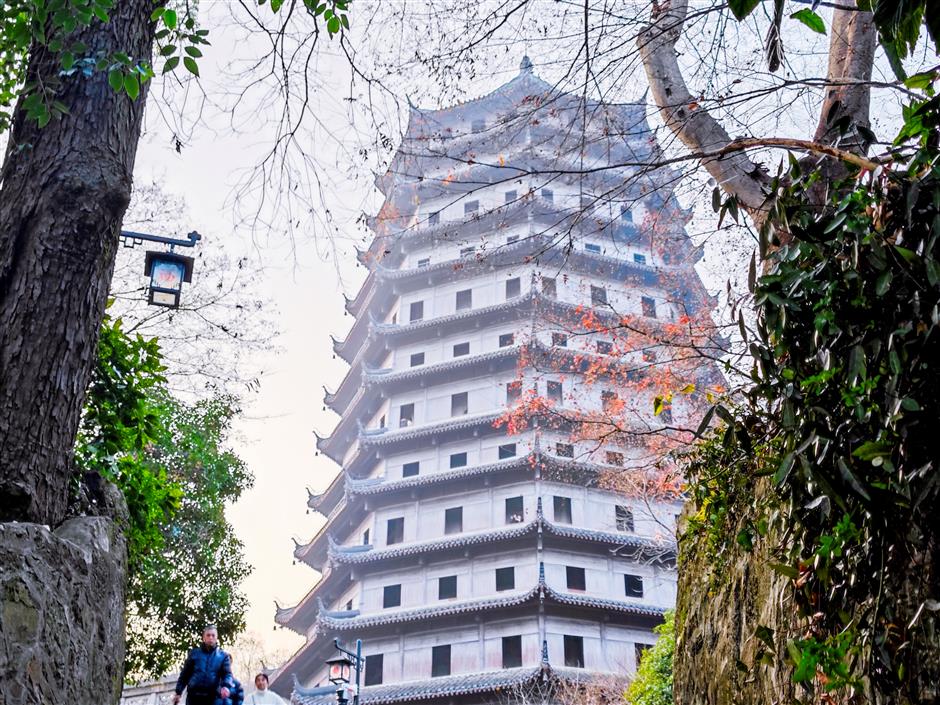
point(512, 239)
point(349, 605)
point(391, 596)
point(512, 651)
point(592, 247)
point(410, 469)
point(471, 207)
point(649, 356)
point(506, 339)
point(638, 258)
point(478, 126)
point(574, 651)
point(440, 661)
point(624, 516)
point(562, 509)
point(608, 399)
point(458, 460)
point(614, 458)
point(447, 587)
point(461, 349)
point(507, 450)
point(465, 300)
point(434, 218)
point(575, 578)
point(548, 195)
point(468, 251)
point(564, 450)
point(649, 306)
point(633, 585)
point(416, 311)
point(365, 537)
point(639, 651)
point(417, 359)
point(667, 258)
point(513, 287)
point(514, 510)
point(513, 391)
point(605, 347)
point(511, 196)
point(374, 667)
point(665, 415)
point(406, 415)
point(549, 288)
point(382, 421)
point(453, 520)
point(505, 579)
point(459, 404)
point(598, 296)
point(554, 391)
point(395, 531)
point(424, 262)
point(560, 340)
point(626, 214)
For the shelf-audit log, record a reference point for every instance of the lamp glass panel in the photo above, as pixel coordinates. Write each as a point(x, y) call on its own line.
point(167, 275)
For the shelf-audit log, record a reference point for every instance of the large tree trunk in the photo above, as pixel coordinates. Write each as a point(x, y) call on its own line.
point(64, 191)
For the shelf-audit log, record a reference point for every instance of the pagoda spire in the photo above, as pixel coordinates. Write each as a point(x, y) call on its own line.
point(525, 66)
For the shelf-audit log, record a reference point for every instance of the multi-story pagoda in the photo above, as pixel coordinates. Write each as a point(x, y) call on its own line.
point(471, 561)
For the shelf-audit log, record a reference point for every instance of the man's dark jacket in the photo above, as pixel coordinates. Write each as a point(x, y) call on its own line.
point(205, 671)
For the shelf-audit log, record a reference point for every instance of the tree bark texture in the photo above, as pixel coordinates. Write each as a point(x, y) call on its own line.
point(64, 191)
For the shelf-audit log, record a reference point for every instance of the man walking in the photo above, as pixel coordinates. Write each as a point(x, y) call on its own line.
point(207, 672)
point(263, 696)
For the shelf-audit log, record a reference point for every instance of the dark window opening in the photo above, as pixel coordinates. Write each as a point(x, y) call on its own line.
point(458, 460)
point(598, 296)
point(434, 218)
point(458, 404)
point(425, 262)
point(506, 339)
point(440, 661)
point(447, 587)
point(554, 391)
point(348, 605)
point(649, 356)
point(416, 311)
point(467, 251)
point(365, 537)
point(505, 579)
point(574, 651)
point(548, 195)
point(410, 469)
point(626, 214)
point(478, 125)
point(513, 391)
point(513, 287)
point(593, 248)
point(624, 518)
point(608, 399)
point(417, 359)
point(395, 533)
point(560, 340)
point(461, 349)
point(512, 651)
point(564, 450)
point(562, 507)
point(641, 649)
point(639, 259)
point(507, 450)
point(633, 585)
point(453, 520)
point(511, 239)
point(514, 510)
point(374, 664)
point(391, 596)
point(549, 288)
point(614, 458)
point(576, 578)
point(510, 196)
point(605, 347)
point(471, 207)
point(649, 306)
point(406, 415)
point(464, 299)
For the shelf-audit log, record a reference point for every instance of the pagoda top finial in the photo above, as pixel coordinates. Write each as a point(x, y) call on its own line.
point(525, 66)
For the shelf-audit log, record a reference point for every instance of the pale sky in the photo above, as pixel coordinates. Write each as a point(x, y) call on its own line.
point(275, 434)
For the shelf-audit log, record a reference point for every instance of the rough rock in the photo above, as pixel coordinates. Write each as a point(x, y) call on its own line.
point(62, 612)
point(718, 611)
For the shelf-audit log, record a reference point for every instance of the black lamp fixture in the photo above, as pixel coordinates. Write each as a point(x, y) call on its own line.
point(168, 271)
point(341, 669)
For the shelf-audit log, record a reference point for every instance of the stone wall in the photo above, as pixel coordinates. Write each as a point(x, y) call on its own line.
point(62, 612)
point(718, 611)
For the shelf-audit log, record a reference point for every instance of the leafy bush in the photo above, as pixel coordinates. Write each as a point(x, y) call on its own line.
point(653, 682)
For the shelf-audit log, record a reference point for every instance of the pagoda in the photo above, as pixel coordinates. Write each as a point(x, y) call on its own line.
point(472, 559)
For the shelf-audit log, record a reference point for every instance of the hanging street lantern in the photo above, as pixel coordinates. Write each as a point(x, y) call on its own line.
point(167, 271)
point(340, 668)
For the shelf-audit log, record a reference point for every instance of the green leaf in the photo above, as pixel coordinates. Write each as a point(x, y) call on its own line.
point(169, 18)
point(742, 8)
point(67, 60)
point(171, 64)
point(157, 14)
point(786, 570)
point(132, 86)
point(810, 19)
point(191, 66)
point(193, 51)
point(920, 81)
point(332, 25)
point(116, 79)
point(168, 50)
point(276, 5)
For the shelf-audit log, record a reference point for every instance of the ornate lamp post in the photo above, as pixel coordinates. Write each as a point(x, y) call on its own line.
point(341, 667)
point(167, 270)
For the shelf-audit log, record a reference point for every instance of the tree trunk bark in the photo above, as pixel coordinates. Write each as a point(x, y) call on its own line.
point(64, 191)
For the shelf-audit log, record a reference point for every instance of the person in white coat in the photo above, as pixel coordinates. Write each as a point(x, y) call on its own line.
point(263, 696)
